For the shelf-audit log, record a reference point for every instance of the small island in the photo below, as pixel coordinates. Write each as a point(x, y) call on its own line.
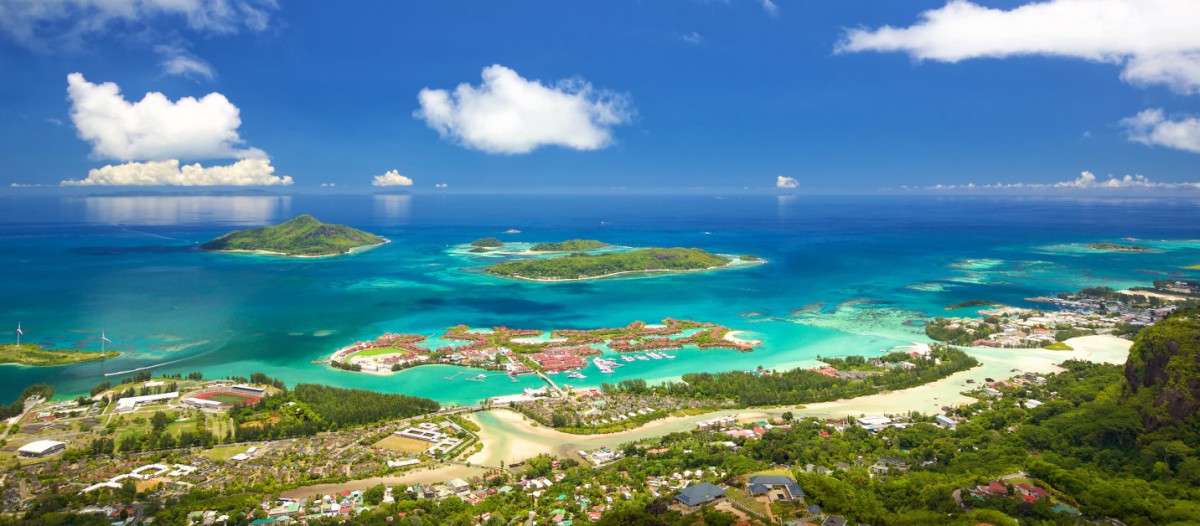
point(971, 303)
point(570, 245)
point(1115, 247)
point(33, 354)
point(592, 266)
point(303, 236)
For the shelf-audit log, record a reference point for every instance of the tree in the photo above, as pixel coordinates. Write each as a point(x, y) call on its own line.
point(159, 421)
point(374, 495)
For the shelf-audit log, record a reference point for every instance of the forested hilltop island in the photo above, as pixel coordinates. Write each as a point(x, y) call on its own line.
point(33, 354)
point(303, 236)
point(579, 266)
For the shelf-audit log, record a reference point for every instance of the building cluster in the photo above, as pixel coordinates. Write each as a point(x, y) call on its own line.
point(591, 408)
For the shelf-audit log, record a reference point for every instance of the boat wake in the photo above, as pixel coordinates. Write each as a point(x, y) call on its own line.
point(143, 368)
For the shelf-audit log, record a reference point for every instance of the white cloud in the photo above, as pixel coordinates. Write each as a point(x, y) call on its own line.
point(1152, 128)
point(177, 61)
point(44, 24)
point(1156, 41)
point(246, 172)
point(508, 114)
point(770, 7)
point(328, 185)
point(391, 178)
point(786, 182)
point(693, 38)
point(155, 128)
point(1085, 181)
point(440, 185)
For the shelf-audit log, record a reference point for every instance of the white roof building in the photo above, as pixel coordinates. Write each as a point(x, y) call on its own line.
point(41, 448)
point(130, 402)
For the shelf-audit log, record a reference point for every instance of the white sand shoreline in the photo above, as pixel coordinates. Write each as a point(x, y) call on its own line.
point(509, 437)
point(269, 253)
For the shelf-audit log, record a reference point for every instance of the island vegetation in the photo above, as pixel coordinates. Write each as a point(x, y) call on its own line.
point(801, 386)
point(487, 242)
point(589, 266)
point(1116, 247)
point(570, 245)
point(970, 303)
point(303, 236)
point(33, 354)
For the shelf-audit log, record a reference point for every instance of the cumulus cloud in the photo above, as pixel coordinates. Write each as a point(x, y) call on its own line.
point(328, 185)
point(1085, 181)
point(1151, 127)
point(391, 178)
point(770, 7)
point(509, 114)
point(440, 185)
point(1155, 41)
point(786, 182)
point(693, 38)
point(246, 172)
point(177, 61)
point(155, 128)
point(44, 24)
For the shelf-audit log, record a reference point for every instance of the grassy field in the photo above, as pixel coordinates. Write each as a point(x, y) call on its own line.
point(224, 453)
point(228, 398)
point(379, 351)
point(742, 498)
point(1058, 346)
point(34, 354)
point(401, 444)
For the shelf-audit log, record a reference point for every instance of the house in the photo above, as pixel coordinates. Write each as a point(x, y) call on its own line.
point(992, 489)
point(946, 422)
point(1032, 491)
point(702, 493)
point(776, 487)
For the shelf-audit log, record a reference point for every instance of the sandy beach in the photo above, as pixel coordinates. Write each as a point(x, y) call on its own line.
point(509, 437)
point(416, 476)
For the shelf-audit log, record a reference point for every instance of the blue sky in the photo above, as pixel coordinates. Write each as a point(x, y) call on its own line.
point(652, 95)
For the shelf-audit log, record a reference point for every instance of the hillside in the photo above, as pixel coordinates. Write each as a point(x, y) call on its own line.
point(1163, 371)
point(302, 236)
point(570, 245)
point(584, 266)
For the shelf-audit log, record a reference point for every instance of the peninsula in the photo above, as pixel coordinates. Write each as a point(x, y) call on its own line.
point(592, 266)
point(303, 236)
point(33, 354)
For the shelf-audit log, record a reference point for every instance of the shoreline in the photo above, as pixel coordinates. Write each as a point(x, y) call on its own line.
point(509, 436)
point(269, 253)
point(732, 265)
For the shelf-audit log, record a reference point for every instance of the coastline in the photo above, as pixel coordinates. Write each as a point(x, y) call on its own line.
point(509, 436)
point(268, 253)
point(732, 265)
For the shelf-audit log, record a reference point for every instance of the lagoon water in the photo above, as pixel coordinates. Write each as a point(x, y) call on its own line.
point(846, 275)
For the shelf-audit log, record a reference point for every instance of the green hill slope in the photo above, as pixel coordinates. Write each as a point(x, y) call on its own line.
point(582, 266)
point(302, 236)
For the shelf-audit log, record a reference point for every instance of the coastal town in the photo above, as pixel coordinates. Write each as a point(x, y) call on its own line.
point(517, 352)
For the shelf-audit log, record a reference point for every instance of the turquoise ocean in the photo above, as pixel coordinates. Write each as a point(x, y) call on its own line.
point(845, 275)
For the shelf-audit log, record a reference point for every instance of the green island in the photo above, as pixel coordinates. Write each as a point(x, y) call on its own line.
point(970, 303)
point(570, 245)
point(487, 242)
point(303, 236)
point(33, 354)
point(1116, 247)
point(590, 266)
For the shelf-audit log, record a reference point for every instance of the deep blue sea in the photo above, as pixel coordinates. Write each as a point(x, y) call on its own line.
point(846, 275)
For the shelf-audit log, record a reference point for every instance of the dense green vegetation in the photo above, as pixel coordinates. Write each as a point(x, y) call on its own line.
point(801, 386)
point(581, 266)
point(970, 303)
point(487, 242)
point(350, 407)
point(34, 354)
point(570, 245)
point(302, 236)
point(1116, 247)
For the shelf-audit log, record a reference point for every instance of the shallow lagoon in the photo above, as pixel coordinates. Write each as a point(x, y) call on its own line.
point(876, 266)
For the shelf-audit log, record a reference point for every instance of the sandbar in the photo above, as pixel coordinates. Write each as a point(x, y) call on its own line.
point(440, 473)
